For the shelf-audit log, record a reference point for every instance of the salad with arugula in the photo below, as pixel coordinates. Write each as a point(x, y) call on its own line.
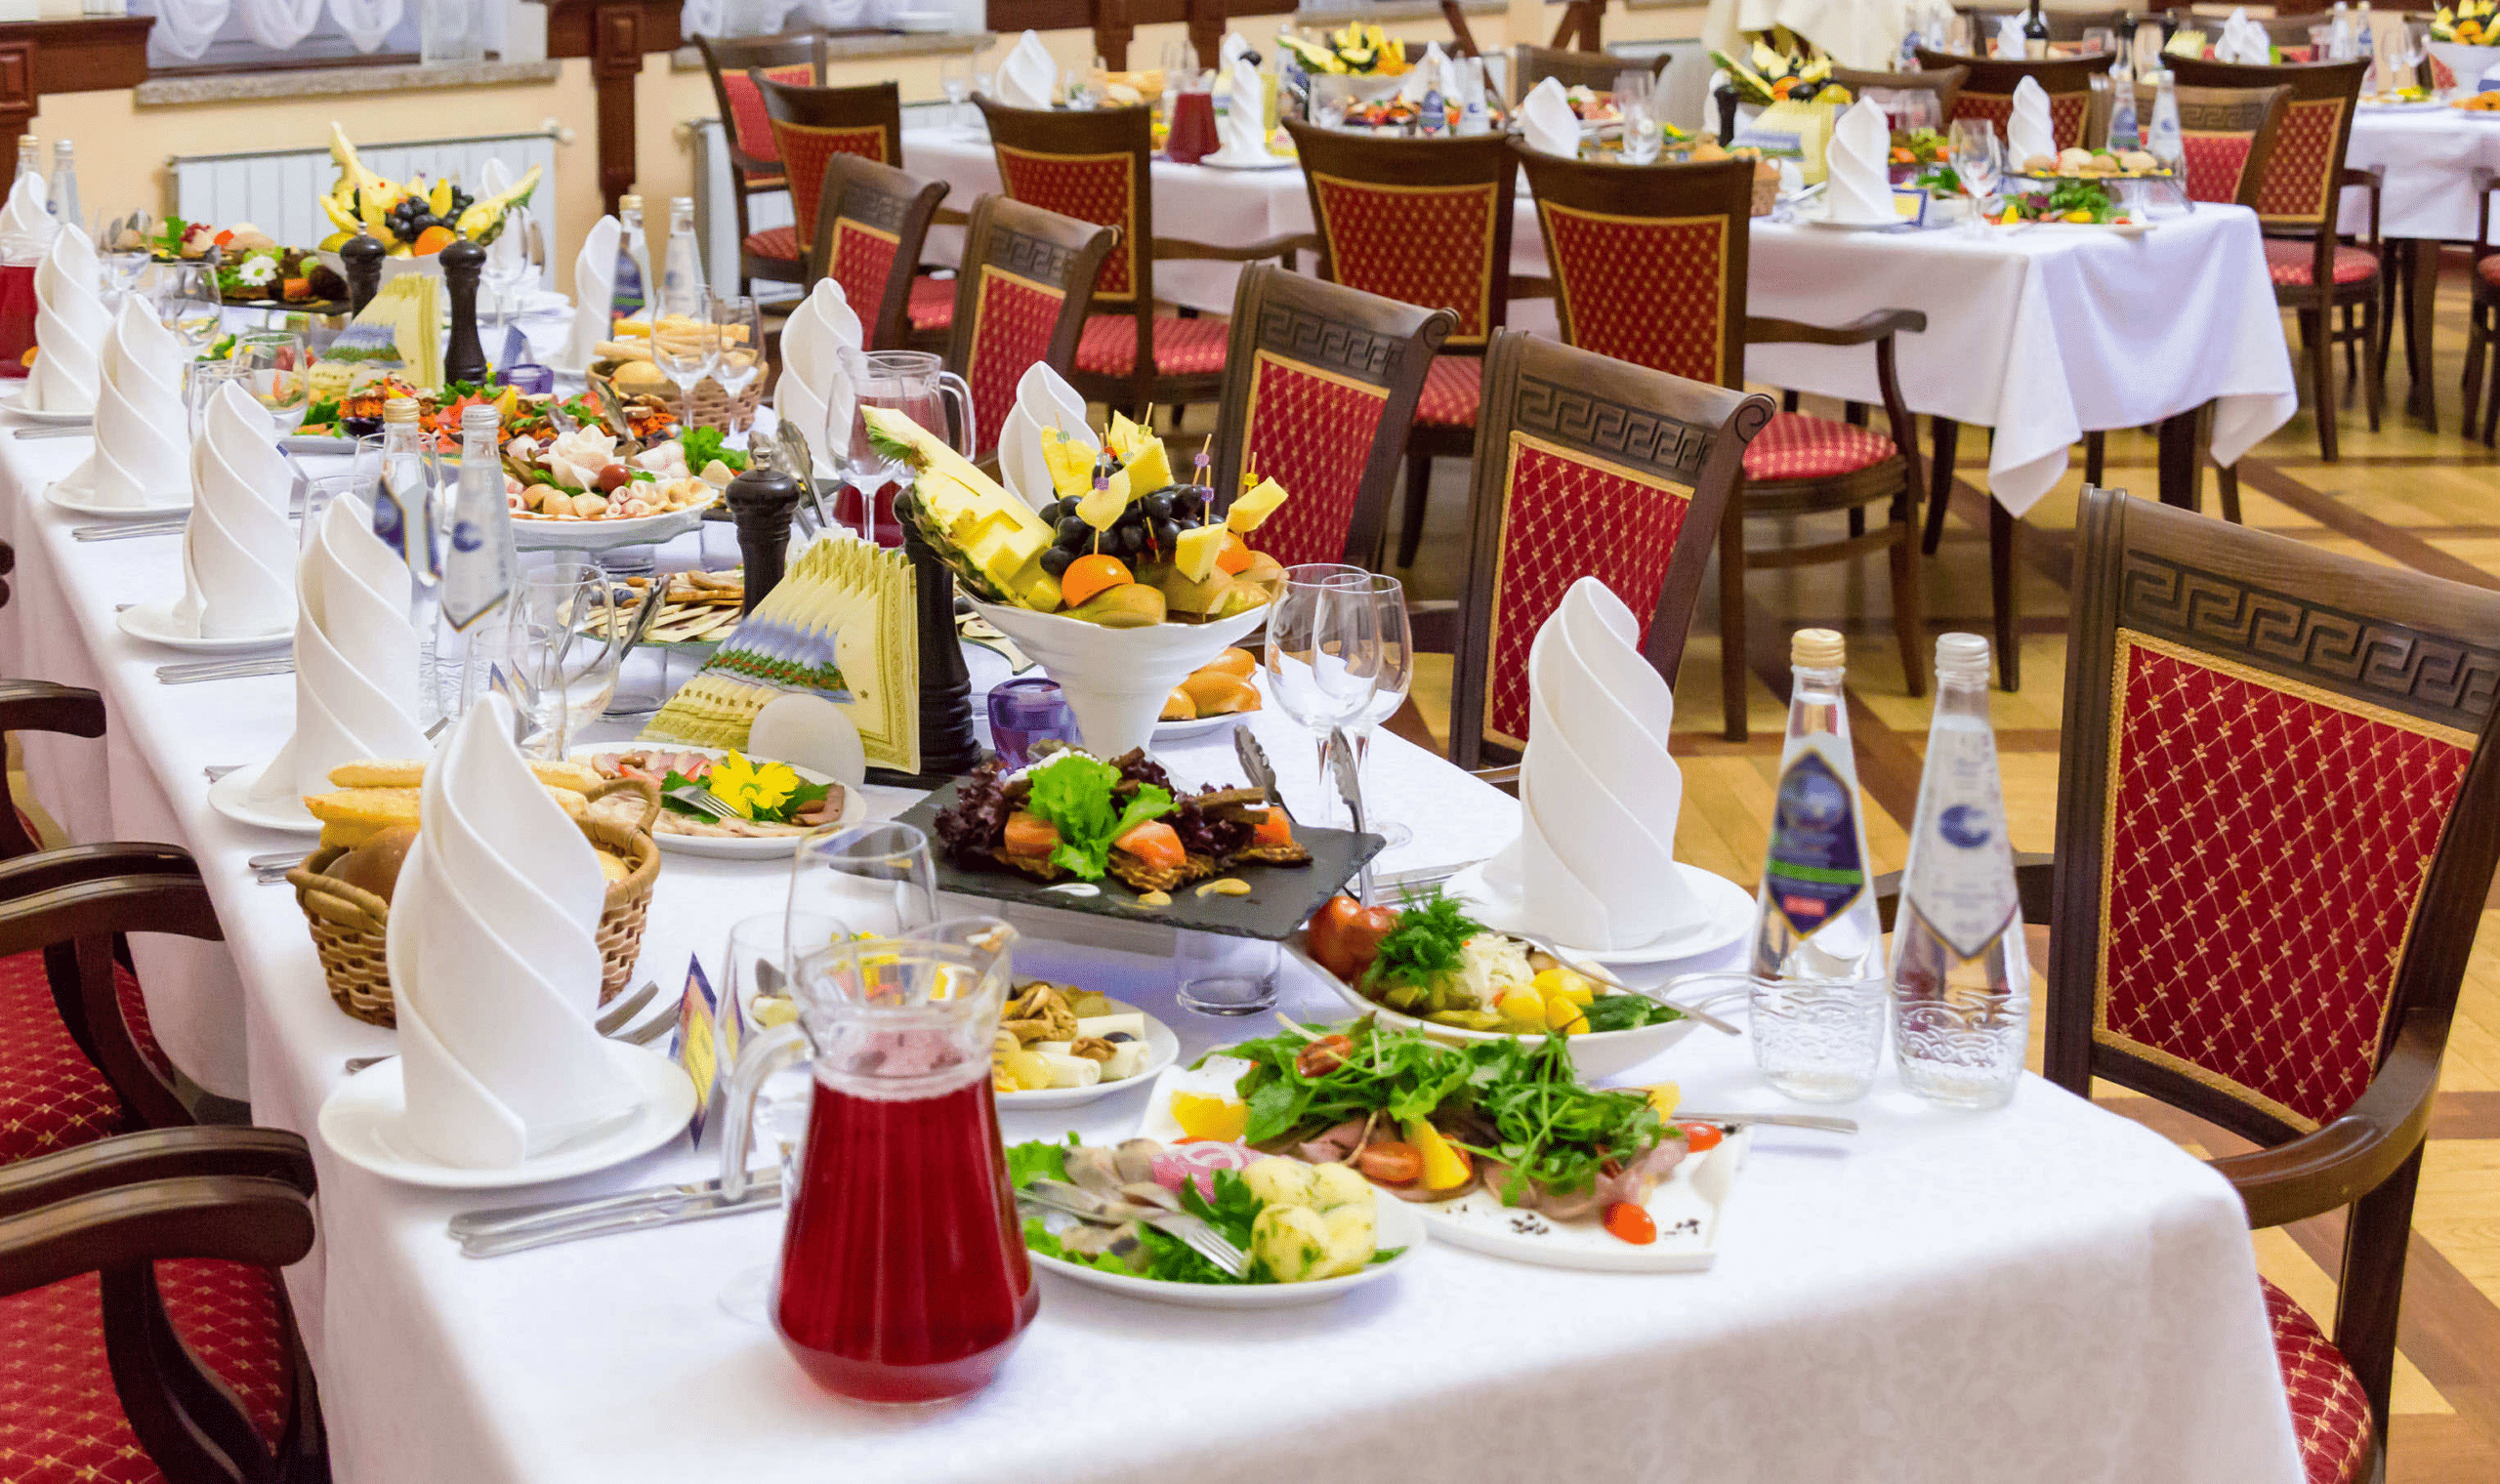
point(1428, 959)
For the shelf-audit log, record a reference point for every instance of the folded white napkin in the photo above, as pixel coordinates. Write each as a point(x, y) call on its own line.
point(2029, 132)
point(142, 454)
point(494, 961)
point(1029, 76)
point(1228, 50)
point(1594, 865)
point(1245, 122)
point(1547, 121)
point(494, 178)
point(820, 365)
point(70, 326)
point(1043, 400)
point(1859, 184)
point(594, 292)
point(26, 224)
point(238, 551)
point(356, 659)
point(2008, 38)
point(2243, 41)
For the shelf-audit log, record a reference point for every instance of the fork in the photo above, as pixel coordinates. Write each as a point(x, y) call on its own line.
point(610, 1023)
point(1194, 1232)
point(703, 799)
point(125, 532)
point(225, 670)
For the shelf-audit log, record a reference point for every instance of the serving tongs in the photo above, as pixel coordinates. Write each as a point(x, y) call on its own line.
point(1256, 768)
point(1349, 788)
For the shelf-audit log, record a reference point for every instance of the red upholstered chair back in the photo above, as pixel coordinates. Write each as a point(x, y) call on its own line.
point(1989, 92)
point(810, 125)
point(1090, 165)
point(1423, 222)
point(1945, 82)
point(869, 225)
point(733, 62)
point(2229, 133)
point(2269, 761)
point(2303, 179)
point(1649, 262)
point(1585, 467)
point(1321, 385)
point(1021, 295)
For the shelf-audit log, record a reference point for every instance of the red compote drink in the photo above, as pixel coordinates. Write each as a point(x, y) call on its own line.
point(17, 316)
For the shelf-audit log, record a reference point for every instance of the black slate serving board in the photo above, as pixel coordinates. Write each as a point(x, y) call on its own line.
point(1282, 898)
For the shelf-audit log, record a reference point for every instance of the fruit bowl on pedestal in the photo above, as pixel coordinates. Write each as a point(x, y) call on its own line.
point(1117, 679)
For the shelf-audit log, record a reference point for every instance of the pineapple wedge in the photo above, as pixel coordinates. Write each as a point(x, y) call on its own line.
point(998, 533)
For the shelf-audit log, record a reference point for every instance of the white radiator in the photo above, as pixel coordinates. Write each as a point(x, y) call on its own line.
point(275, 190)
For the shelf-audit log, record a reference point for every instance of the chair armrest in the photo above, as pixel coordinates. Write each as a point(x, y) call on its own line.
point(1529, 286)
point(1248, 252)
point(2484, 180)
point(1506, 777)
point(754, 164)
point(74, 865)
point(2035, 875)
point(1433, 624)
point(42, 706)
point(158, 1154)
point(2367, 177)
point(2337, 1165)
point(233, 1219)
point(946, 216)
point(1867, 329)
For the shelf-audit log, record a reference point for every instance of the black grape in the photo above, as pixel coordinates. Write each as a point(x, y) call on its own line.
point(1075, 532)
point(1058, 559)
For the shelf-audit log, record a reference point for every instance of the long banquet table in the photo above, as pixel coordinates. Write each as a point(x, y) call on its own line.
point(2049, 1292)
point(2429, 155)
point(2041, 334)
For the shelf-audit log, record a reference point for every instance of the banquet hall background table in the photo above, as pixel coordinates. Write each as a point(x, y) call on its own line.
point(2430, 156)
point(2042, 334)
point(2047, 1292)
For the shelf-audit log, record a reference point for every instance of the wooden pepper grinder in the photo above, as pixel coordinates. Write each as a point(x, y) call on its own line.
point(362, 257)
point(763, 502)
point(464, 357)
point(949, 745)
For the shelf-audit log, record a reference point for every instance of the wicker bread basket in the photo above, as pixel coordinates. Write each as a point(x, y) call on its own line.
point(349, 924)
point(711, 407)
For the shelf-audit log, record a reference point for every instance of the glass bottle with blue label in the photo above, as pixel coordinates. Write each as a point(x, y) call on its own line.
point(1817, 980)
point(1961, 975)
point(478, 563)
point(407, 515)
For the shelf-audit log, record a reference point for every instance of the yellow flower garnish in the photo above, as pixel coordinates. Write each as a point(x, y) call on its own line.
point(750, 789)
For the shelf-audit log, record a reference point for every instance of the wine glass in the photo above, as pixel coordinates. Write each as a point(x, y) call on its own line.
point(741, 331)
point(687, 351)
point(1322, 654)
point(561, 642)
point(275, 369)
point(876, 879)
point(955, 80)
point(1392, 662)
point(507, 269)
point(186, 301)
point(1979, 156)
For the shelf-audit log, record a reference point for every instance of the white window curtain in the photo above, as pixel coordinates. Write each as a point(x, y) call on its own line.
point(368, 23)
point(279, 24)
point(185, 28)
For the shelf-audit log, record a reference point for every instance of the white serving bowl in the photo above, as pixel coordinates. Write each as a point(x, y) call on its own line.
point(1117, 679)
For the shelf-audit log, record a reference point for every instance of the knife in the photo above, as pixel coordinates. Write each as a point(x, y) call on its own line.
point(1257, 768)
point(1341, 761)
point(508, 1220)
point(760, 1195)
point(85, 429)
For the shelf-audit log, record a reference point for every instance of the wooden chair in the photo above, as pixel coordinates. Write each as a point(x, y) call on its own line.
point(1945, 82)
point(2278, 808)
point(1531, 65)
point(2482, 326)
point(1093, 165)
point(1425, 222)
point(2297, 203)
point(864, 224)
point(1021, 297)
point(1650, 268)
point(1319, 388)
point(2064, 25)
point(1988, 91)
point(1588, 466)
point(754, 160)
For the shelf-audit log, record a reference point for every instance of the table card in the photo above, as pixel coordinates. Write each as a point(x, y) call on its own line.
point(698, 1047)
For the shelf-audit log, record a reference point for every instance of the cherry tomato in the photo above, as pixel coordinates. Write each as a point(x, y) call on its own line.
point(1323, 1055)
point(1390, 1162)
point(1328, 929)
point(1630, 1223)
point(1363, 935)
point(1700, 1137)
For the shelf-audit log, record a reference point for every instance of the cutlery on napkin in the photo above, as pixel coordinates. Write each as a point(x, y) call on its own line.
point(2029, 132)
point(494, 961)
point(1594, 865)
point(820, 364)
point(238, 548)
point(356, 659)
point(69, 327)
point(1547, 122)
point(1029, 76)
point(594, 291)
point(1859, 186)
point(1245, 119)
point(1043, 400)
point(26, 224)
point(142, 454)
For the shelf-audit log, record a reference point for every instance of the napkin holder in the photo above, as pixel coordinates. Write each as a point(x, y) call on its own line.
point(350, 926)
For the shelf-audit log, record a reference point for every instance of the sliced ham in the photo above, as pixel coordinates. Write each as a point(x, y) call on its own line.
point(1196, 1163)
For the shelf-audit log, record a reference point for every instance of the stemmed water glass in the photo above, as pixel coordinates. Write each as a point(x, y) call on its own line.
point(955, 80)
point(1322, 656)
point(186, 301)
point(275, 369)
point(1390, 658)
point(1635, 100)
point(557, 651)
point(687, 350)
point(1979, 158)
point(741, 356)
point(876, 879)
point(507, 269)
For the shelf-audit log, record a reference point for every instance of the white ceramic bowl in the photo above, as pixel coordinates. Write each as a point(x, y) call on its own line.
point(1117, 679)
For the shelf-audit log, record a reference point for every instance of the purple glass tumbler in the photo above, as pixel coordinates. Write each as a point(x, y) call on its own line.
point(1027, 712)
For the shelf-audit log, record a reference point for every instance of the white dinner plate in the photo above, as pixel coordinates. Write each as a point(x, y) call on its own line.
point(13, 402)
point(71, 494)
point(538, 533)
point(1162, 1048)
point(364, 1121)
point(1197, 727)
point(1728, 915)
point(1829, 224)
point(231, 797)
point(1272, 164)
point(2111, 229)
point(776, 848)
point(154, 623)
point(2423, 106)
point(1394, 1224)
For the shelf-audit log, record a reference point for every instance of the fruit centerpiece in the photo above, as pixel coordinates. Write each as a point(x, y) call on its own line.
point(1121, 585)
point(414, 219)
point(2468, 23)
point(1773, 76)
point(1359, 49)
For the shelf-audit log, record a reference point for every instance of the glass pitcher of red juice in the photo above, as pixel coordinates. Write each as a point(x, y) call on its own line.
point(902, 1274)
point(16, 315)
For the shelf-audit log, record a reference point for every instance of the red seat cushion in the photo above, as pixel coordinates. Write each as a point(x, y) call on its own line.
point(1453, 390)
point(2330, 1412)
point(1797, 445)
point(1192, 346)
point(63, 1421)
point(52, 1097)
point(933, 303)
point(778, 243)
point(2290, 262)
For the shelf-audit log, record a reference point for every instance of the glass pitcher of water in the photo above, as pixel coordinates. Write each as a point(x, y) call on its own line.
point(917, 385)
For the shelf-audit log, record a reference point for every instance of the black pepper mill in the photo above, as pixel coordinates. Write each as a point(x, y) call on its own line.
point(763, 502)
point(464, 358)
point(949, 745)
point(362, 257)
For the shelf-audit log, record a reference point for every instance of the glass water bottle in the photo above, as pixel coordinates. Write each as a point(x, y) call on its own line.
point(633, 261)
point(478, 563)
point(65, 186)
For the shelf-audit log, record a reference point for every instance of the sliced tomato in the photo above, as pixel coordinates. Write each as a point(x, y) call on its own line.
point(1700, 1137)
point(1630, 1223)
point(1155, 843)
point(1029, 835)
point(1390, 1162)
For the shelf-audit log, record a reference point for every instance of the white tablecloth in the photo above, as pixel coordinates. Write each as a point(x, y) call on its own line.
point(2041, 335)
point(2430, 157)
point(2045, 1293)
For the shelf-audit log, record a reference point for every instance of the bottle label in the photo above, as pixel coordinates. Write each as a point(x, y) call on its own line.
point(475, 579)
point(1816, 870)
point(1961, 866)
